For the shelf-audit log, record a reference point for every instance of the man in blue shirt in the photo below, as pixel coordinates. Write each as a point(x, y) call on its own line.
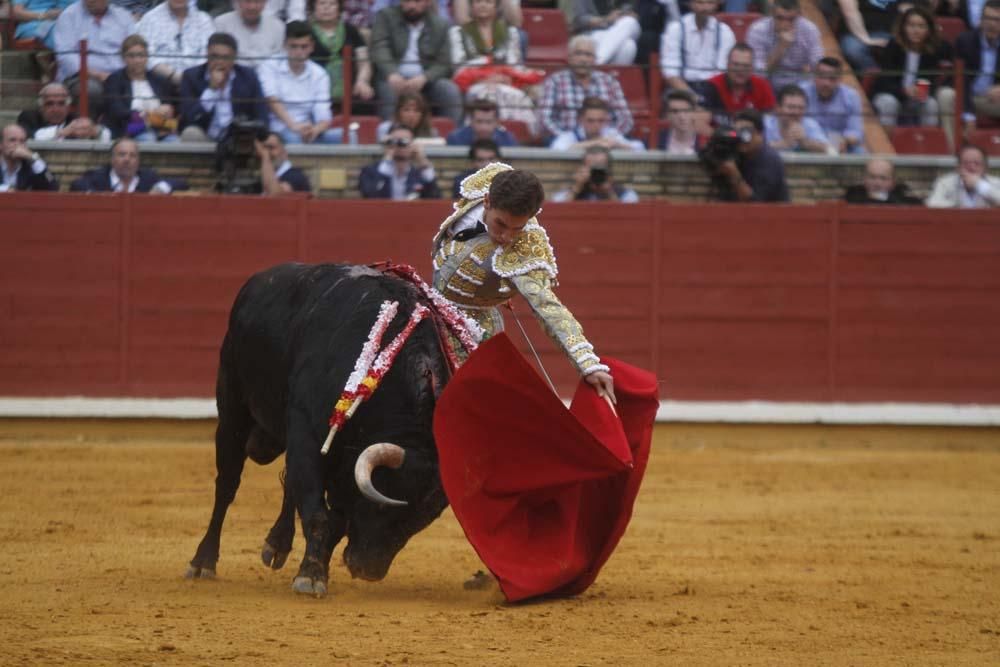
point(836, 107)
point(790, 129)
point(978, 50)
point(484, 123)
point(757, 173)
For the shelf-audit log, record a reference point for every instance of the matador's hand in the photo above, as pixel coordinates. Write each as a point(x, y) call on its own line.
point(603, 383)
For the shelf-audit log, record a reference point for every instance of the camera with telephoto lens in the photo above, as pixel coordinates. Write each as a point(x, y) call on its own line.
point(236, 158)
point(598, 175)
point(723, 146)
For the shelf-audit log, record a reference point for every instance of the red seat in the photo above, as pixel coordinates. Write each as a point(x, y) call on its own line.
point(988, 140)
point(739, 23)
point(632, 79)
point(950, 27)
point(367, 127)
point(920, 141)
point(548, 35)
point(444, 126)
point(520, 130)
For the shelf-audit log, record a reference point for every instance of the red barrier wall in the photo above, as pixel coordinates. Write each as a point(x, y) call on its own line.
point(128, 296)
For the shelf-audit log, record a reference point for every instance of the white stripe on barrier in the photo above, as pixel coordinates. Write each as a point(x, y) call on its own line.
point(745, 412)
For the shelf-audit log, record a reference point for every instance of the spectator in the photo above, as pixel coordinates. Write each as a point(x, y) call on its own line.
point(979, 50)
point(738, 89)
point(403, 173)
point(593, 181)
point(286, 11)
point(125, 175)
point(216, 92)
point(332, 36)
point(105, 28)
point(593, 128)
point(509, 10)
point(484, 123)
point(20, 168)
point(694, 48)
point(411, 52)
point(412, 111)
point(297, 90)
point(652, 17)
point(757, 173)
point(259, 36)
point(37, 18)
point(790, 129)
point(904, 92)
point(682, 137)
point(968, 187)
point(137, 8)
point(880, 187)
point(177, 34)
point(786, 44)
point(563, 91)
point(140, 101)
point(481, 153)
point(836, 107)
point(613, 27)
point(283, 178)
point(55, 121)
point(486, 54)
point(865, 24)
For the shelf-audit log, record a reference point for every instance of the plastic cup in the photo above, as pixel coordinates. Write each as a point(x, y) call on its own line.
point(923, 89)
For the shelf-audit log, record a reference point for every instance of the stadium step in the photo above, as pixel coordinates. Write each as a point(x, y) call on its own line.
point(18, 81)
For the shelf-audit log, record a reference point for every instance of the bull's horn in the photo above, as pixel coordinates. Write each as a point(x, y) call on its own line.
point(379, 454)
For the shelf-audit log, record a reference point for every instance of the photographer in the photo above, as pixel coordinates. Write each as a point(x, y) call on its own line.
point(593, 181)
point(403, 173)
point(742, 166)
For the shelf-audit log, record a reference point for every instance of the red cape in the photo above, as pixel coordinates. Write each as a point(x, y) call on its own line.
point(543, 493)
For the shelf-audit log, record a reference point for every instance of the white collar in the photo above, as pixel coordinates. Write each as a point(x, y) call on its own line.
point(116, 182)
point(282, 168)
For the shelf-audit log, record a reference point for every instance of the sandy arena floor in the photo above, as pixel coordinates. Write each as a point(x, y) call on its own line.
point(749, 545)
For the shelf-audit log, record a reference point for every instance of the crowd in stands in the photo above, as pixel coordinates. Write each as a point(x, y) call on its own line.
point(456, 72)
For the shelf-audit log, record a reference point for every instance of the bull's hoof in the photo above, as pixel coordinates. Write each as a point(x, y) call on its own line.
point(309, 586)
point(272, 557)
point(199, 573)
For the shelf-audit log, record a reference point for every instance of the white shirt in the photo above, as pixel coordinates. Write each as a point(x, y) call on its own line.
point(566, 140)
point(51, 133)
point(143, 97)
point(704, 55)
point(398, 182)
point(254, 44)
point(104, 38)
point(912, 65)
point(977, 198)
point(410, 66)
point(220, 101)
point(176, 45)
point(305, 96)
point(117, 186)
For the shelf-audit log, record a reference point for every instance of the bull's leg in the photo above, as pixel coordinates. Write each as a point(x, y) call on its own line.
point(231, 436)
point(306, 468)
point(278, 543)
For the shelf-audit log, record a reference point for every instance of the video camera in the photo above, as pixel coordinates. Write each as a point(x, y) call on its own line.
point(723, 146)
point(236, 158)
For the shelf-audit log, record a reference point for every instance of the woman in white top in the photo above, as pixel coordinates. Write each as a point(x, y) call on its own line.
point(139, 100)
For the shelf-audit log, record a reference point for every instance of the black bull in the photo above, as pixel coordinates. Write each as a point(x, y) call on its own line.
point(294, 334)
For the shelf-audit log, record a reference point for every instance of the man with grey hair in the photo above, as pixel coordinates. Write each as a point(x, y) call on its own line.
point(53, 121)
point(563, 92)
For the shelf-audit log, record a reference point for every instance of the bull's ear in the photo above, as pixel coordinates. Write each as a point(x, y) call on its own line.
point(374, 456)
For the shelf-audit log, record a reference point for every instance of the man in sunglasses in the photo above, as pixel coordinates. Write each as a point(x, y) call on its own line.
point(404, 172)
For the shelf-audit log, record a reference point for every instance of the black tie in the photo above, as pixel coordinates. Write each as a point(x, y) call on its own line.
point(470, 233)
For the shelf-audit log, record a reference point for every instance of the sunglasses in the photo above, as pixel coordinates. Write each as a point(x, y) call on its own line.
point(398, 143)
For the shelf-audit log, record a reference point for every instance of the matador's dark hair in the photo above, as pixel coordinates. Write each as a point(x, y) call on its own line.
point(517, 192)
